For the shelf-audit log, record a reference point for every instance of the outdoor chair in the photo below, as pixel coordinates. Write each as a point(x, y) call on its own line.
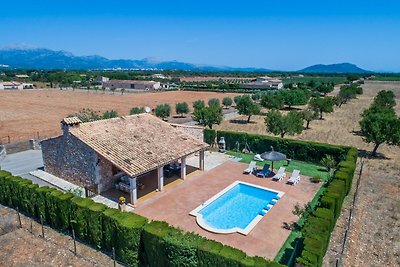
point(294, 178)
point(257, 157)
point(250, 169)
point(264, 172)
point(279, 175)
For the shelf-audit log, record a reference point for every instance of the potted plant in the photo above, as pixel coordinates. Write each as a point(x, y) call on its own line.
point(316, 179)
point(121, 203)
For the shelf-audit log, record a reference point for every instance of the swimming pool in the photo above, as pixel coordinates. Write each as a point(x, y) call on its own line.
point(237, 208)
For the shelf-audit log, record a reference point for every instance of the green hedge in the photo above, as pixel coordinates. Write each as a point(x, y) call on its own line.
point(136, 242)
point(164, 245)
point(318, 227)
point(294, 149)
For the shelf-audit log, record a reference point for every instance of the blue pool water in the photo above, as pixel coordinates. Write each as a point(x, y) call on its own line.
point(237, 207)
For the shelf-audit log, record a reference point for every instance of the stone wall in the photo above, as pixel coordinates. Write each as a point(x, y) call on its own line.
point(69, 158)
point(195, 131)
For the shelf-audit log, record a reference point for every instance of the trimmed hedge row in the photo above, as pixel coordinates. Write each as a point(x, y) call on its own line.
point(319, 226)
point(167, 246)
point(294, 149)
point(136, 242)
point(93, 222)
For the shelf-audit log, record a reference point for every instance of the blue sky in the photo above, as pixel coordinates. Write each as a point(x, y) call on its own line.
point(283, 35)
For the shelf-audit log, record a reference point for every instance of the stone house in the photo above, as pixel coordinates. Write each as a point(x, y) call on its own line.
point(96, 154)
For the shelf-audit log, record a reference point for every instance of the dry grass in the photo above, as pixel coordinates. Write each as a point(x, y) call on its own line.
point(24, 113)
point(375, 236)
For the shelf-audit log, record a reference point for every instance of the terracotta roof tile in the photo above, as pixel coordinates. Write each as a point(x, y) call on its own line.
point(138, 143)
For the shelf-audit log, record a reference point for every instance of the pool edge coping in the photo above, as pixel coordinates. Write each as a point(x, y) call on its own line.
point(199, 217)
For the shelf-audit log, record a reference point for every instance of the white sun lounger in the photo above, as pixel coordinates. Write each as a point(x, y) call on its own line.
point(251, 167)
point(295, 178)
point(280, 174)
point(257, 157)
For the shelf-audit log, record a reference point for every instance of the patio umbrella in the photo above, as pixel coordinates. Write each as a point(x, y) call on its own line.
point(273, 156)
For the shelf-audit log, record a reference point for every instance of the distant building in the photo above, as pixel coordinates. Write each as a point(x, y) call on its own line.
point(22, 76)
point(264, 83)
point(102, 79)
point(11, 86)
point(131, 84)
point(158, 76)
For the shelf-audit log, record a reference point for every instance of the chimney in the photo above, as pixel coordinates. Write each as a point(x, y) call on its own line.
point(66, 123)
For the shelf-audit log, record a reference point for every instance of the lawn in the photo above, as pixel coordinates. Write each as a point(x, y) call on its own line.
point(306, 168)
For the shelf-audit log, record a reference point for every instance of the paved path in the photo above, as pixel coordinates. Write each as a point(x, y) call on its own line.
point(29, 164)
point(20, 164)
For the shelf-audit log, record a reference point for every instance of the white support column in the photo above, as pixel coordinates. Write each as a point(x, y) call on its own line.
point(201, 160)
point(160, 175)
point(133, 191)
point(183, 168)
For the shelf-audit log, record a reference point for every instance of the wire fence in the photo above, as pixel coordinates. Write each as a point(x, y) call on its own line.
point(339, 259)
point(38, 135)
point(12, 220)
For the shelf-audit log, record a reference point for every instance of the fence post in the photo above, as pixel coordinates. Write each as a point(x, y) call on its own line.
point(41, 222)
point(113, 255)
point(73, 235)
point(19, 218)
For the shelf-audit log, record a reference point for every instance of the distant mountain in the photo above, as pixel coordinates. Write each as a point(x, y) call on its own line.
point(40, 58)
point(334, 68)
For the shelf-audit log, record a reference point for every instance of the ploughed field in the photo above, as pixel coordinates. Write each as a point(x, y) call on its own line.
point(29, 113)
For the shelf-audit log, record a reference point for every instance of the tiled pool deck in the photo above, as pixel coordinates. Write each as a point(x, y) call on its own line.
point(267, 237)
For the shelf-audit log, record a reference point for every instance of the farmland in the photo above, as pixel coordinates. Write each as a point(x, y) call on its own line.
point(25, 114)
point(375, 224)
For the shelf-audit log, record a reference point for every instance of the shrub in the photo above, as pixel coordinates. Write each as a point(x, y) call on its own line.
point(163, 111)
point(95, 224)
point(79, 215)
point(182, 108)
point(136, 110)
point(227, 102)
point(316, 179)
point(213, 102)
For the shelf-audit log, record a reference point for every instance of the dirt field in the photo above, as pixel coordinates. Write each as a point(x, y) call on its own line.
point(375, 236)
point(20, 247)
point(24, 114)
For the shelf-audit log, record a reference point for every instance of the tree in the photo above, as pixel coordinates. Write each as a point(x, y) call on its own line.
point(208, 116)
point(163, 111)
point(322, 105)
point(110, 114)
point(325, 88)
point(122, 91)
point(309, 115)
point(384, 100)
point(236, 99)
point(328, 162)
point(294, 97)
point(113, 90)
point(272, 101)
point(136, 110)
point(227, 102)
point(380, 127)
point(198, 104)
point(281, 124)
point(182, 108)
point(103, 89)
point(213, 102)
point(247, 107)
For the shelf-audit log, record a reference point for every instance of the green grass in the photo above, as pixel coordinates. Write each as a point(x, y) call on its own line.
point(306, 168)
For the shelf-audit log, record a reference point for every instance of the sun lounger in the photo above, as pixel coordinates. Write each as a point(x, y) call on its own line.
point(280, 174)
point(264, 172)
point(295, 178)
point(251, 167)
point(257, 157)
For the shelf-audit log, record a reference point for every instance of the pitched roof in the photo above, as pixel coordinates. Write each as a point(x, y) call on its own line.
point(138, 143)
point(131, 82)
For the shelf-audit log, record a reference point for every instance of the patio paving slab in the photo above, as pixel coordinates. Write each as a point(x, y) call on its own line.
point(266, 238)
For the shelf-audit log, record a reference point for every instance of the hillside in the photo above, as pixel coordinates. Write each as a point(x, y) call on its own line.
point(334, 68)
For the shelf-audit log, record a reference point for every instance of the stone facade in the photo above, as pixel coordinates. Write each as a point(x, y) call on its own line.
point(195, 131)
point(69, 158)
